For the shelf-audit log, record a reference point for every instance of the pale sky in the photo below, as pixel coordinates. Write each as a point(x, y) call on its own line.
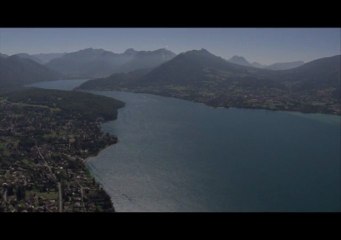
point(263, 45)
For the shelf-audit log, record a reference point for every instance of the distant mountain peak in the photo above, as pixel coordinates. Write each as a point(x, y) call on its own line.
point(93, 50)
point(201, 52)
point(86, 50)
point(239, 60)
point(163, 50)
point(204, 51)
point(130, 51)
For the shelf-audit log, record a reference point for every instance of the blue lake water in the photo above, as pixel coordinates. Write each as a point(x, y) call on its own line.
point(176, 155)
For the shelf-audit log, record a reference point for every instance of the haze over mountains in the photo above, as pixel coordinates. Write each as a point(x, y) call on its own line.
point(91, 63)
point(98, 63)
point(41, 58)
point(20, 69)
point(275, 66)
point(47, 57)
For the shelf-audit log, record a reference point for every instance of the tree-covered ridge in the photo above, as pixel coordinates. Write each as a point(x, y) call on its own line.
point(85, 105)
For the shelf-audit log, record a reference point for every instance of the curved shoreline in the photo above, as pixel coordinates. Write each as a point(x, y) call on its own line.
point(210, 105)
point(46, 149)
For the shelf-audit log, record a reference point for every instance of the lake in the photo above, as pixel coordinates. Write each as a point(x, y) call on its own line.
point(176, 155)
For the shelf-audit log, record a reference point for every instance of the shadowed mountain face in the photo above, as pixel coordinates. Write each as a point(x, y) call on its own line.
point(16, 71)
point(201, 76)
point(92, 63)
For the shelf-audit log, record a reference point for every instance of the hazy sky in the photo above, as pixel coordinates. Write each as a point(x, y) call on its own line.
point(264, 45)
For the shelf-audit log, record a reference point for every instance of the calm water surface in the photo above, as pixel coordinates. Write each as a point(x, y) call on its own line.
point(176, 155)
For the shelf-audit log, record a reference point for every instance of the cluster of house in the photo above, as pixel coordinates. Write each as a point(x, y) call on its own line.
point(42, 154)
point(320, 101)
point(277, 100)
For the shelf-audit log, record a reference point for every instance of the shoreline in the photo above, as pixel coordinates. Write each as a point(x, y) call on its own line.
point(246, 107)
point(86, 165)
point(44, 153)
point(210, 105)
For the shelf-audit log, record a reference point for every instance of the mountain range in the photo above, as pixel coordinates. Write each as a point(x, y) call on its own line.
point(95, 63)
point(196, 75)
point(41, 58)
point(201, 76)
point(92, 63)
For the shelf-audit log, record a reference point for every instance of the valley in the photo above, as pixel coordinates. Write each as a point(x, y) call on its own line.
point(97, 126)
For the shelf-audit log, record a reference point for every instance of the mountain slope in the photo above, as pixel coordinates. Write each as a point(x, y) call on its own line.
point(116, 80)
point(323, 72)
point(16, 71)
point(200, 76)
point(197, 69)
point(87, 63)
point(27, 56)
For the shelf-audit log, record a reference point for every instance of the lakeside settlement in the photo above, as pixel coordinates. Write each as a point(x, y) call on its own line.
point(43, 147)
